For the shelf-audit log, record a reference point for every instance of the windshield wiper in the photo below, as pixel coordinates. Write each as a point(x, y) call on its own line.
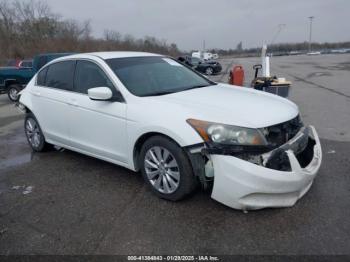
point(159, 93)
point(197, 86)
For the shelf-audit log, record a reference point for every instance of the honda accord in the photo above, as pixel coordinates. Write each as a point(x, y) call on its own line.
point(149, 113)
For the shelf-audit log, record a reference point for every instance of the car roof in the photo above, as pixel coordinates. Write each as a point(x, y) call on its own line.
point(54, 54)
point(110, 55)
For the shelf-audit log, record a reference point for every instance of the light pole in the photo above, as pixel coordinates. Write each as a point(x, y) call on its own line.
point(203, 51)
point(310, 36)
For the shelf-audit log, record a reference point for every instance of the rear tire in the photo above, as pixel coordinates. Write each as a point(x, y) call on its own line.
point(34, 134)
point(12, 92)
point(166, 169)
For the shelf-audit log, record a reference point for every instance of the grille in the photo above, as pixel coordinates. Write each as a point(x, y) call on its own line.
point(278, 135)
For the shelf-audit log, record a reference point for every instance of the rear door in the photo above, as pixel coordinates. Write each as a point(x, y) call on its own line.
point(97, 127)
point(51, 96)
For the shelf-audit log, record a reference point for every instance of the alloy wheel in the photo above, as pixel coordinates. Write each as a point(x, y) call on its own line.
point(162, 170)
point(209, 71)
point(13, 93)
point(33, 133)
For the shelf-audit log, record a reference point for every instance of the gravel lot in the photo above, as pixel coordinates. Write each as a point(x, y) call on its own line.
point(62, 202)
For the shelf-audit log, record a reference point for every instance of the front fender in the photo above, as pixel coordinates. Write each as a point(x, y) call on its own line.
point(183, 136)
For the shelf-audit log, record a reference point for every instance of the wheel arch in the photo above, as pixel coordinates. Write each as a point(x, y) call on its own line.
point(10, 82)
point(27, 110)
point(141, 140)
point(26, 101)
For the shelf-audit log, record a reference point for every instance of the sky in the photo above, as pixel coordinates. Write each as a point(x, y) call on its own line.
point(221, 23)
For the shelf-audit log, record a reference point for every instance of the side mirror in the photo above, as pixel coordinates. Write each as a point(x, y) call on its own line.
point(100, 93)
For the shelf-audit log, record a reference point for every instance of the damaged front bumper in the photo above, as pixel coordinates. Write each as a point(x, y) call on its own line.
point(281, 177)
point(243, 185)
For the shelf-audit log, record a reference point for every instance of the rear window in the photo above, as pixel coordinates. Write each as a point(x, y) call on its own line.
point(60, 75)
point(27, 64)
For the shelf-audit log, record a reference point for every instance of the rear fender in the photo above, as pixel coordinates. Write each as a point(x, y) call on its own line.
point(26, 97)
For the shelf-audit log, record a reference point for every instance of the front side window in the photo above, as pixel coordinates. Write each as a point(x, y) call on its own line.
point(89, 75)
point(60, 75)
point(149, 76)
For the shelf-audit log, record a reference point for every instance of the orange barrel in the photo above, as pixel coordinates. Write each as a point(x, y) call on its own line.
point(237, 76)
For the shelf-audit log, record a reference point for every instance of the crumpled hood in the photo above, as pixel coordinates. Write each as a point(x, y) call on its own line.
point(233, 105)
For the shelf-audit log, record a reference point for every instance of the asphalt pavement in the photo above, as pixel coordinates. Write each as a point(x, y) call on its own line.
point(61, 202)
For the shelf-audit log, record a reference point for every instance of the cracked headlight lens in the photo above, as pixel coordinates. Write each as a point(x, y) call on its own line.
point(227, 134)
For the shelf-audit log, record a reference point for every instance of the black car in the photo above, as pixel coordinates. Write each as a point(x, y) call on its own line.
point(209, 67)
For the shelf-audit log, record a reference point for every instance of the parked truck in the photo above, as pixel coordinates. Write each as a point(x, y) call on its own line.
point(14, 79)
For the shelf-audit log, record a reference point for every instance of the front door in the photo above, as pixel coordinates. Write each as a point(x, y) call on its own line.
point(96, 127)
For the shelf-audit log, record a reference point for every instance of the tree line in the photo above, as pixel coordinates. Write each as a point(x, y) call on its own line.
point(30, 27)
point(281, 48)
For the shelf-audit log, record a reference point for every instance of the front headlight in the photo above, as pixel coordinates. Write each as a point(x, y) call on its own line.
point(227, 134)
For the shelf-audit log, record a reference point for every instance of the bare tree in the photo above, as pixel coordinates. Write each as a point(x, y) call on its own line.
point(29, 27)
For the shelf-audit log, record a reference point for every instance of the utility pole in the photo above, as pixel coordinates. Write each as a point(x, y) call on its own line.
point(203, 50)
point(310, 36)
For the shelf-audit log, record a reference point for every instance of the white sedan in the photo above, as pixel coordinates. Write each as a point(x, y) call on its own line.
point(149, 113)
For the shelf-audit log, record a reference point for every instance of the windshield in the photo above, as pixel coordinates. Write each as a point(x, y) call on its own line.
point(150, 76)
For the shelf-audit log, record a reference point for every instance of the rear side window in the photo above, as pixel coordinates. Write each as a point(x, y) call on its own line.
point(41, 78)
point(89, 75)
point(60, 75)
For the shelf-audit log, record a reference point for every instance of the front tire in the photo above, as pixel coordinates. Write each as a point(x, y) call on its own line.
point(166, 169)
point(209, 71)
point(12, 92)
point(34, 134)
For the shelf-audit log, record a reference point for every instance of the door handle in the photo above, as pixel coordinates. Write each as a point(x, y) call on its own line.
point(36, 93)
